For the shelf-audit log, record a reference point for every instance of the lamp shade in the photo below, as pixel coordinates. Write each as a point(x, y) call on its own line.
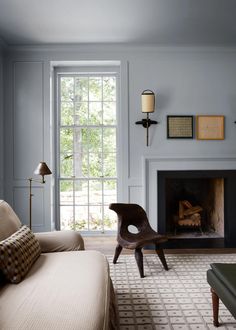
point(42, 169)
point(148, 101)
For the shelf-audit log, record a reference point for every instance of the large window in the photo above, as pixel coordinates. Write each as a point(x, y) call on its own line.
point(87, 150)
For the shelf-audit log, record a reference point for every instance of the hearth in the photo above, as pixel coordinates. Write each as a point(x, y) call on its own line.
point(197, 208)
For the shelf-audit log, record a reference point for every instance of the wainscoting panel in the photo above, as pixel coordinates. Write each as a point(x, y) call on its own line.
point(21, 206)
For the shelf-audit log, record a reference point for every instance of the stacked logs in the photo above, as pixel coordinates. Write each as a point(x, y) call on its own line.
point(189, 215)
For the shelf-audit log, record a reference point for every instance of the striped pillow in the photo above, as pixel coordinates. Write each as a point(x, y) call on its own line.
point(18, 252)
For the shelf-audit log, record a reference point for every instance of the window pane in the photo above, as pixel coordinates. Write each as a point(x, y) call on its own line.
point(81, 89)
point(95, 165)
point(67, 110)
point(81, 113)
point(84, 139)
point(95, 192)
point(81, 192)
point(66, 165)
point(110, 219)
point(109, 165)
point(66, 140)
point(67, 88)
point(95, 89)
point(81, 218)
point(85, 166)
point(109, 139)
point(67, 216)
point(109, 113)
point(109, 88)
point(95, 217)
point(66, 192)
point(95, 113)
point(110, 195)
point(94, 139)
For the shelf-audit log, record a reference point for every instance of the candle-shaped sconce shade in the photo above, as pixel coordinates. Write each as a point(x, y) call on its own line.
point(148, 106)
point(148, 101)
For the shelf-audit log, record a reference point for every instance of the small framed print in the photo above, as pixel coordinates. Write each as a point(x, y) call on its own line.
point(210, 127)
point(179, 127)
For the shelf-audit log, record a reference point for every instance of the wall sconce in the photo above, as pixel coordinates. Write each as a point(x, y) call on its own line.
point(148, 106)
point(42, 169)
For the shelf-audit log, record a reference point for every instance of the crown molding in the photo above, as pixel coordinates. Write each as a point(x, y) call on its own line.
point(116, 47)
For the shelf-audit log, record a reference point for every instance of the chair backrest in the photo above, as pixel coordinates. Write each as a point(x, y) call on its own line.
point(130, 214)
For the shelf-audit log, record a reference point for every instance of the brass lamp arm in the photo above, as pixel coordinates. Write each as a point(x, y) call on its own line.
point(38, 181)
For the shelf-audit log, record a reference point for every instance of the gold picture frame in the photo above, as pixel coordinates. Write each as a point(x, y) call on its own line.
point(210, 127)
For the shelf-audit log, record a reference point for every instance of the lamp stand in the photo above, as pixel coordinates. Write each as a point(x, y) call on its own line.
point(30, 198)
point(30, 203)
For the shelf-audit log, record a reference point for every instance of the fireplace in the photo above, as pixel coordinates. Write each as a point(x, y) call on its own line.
point(197, 208)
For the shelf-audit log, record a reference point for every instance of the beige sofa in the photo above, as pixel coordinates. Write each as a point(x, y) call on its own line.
point(66, 287)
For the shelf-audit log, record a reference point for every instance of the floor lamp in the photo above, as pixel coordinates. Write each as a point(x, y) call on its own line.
point(42, 169)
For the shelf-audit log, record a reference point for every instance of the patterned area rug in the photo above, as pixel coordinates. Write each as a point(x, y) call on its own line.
point(176, 299)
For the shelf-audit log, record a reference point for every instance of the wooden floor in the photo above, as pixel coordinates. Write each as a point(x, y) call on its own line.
point(107, 244)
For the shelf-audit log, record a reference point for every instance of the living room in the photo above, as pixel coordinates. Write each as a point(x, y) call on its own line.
point(183, 52)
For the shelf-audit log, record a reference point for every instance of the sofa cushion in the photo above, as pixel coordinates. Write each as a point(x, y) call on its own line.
point(9, 221)
point(18, 253)
point(63, 290)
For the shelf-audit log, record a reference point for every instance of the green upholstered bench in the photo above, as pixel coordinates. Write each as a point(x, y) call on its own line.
point(222, 279)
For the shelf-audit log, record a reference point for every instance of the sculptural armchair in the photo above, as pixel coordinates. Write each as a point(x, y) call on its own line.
point(134, 215)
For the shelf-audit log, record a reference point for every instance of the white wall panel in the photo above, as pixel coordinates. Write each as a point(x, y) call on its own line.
point(27, 118)
point(1, 128)
point(135, 195)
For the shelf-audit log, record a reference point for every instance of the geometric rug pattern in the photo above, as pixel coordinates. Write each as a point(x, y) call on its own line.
point(177, 299)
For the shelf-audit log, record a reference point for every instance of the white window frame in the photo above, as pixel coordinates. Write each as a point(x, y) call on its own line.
point(85, 69)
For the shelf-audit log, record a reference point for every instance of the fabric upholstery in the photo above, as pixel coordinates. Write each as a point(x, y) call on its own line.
point(63, 290)
point(223, 292)
point(227, 274)
point(9, 221)
point(18, 253)
point(57, 241)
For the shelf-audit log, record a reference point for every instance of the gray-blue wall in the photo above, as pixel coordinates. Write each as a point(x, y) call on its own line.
point(186, 81)
point(1, 124)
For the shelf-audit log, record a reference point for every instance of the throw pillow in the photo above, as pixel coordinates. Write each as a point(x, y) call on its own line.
point(18, 252)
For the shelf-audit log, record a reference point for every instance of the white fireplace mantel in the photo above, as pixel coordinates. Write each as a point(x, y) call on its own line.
point(151, 165)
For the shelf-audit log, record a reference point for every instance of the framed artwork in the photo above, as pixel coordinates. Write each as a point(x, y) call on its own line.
point(179, 127)
point(210, 127)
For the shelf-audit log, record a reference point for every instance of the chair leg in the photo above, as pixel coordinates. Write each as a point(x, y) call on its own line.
point(117, 253)
point(161, 256)
point(139, 260)
point(215, 306)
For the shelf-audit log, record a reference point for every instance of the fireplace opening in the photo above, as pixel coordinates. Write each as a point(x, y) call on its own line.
point(194, 207)
point(197, 208)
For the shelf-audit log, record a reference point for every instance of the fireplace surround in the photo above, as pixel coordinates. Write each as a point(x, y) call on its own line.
point(154, 171)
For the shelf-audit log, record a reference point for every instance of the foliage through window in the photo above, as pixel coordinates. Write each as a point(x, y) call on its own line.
point(87, 146)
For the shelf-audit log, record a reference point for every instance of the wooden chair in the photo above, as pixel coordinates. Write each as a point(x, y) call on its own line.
point(133, 214)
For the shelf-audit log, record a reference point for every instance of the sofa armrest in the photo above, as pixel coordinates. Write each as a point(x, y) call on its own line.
point(58, 241)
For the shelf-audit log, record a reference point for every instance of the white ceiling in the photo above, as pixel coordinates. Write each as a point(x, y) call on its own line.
point(163, 22)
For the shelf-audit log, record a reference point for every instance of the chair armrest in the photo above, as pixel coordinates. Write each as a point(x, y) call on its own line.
point(58, 241)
